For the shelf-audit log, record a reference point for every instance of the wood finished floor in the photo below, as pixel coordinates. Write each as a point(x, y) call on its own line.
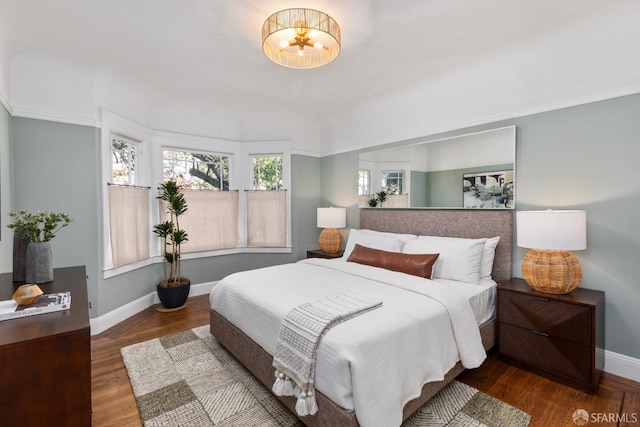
point(549, 403)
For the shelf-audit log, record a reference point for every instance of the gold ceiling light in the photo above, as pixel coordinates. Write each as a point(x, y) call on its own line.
point(301, 38)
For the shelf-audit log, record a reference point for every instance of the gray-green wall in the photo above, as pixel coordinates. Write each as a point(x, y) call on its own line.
point(54, 169)
point(419, 189)
point(583, 157)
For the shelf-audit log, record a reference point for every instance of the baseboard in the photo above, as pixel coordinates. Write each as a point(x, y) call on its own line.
point(622, 366)
point(112, 318)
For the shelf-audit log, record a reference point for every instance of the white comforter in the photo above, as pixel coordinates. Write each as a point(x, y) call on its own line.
point(376, 362)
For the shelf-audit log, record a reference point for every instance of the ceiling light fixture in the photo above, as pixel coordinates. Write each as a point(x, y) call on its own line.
point(301, 38)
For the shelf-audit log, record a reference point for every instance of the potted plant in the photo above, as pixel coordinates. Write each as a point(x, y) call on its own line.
point(32, 251)
point(173, 291)
point(378, 198)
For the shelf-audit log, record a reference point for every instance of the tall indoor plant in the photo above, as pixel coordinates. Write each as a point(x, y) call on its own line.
point(33, 260)
point(173, 291)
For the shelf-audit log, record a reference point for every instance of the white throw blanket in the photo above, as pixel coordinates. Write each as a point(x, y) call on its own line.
point(298, 339)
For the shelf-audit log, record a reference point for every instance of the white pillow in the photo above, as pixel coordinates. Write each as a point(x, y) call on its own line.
point(459, 258)
point(488, 254)
point(375, 239)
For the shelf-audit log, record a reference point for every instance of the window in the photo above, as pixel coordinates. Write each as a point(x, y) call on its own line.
point(392, 181)
point(212, 215)
point(266, 204)
point(123, 160)
point(128, 204)
point(364, 178)
point(196, 170)
point(267, 172)
point(212, 171)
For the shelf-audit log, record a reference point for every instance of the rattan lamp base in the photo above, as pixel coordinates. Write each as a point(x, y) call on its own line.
point(330, 240)
point(553, 272)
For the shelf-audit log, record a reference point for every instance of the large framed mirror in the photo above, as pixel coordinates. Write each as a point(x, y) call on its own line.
point(475, 171)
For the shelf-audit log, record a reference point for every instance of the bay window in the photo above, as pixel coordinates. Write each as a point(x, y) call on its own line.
point(213, 174)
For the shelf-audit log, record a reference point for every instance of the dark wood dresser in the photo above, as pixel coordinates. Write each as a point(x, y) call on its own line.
point(557, 336)
point(45, 360)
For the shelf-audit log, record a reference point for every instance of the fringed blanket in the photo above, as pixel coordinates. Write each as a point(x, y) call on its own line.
point(298, 339)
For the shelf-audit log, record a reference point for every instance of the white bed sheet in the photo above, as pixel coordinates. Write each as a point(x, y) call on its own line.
point(254, 302)
point(481, 296)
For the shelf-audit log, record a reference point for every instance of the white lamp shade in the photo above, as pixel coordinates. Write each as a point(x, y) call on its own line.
point(563, 230)
point(332, 217)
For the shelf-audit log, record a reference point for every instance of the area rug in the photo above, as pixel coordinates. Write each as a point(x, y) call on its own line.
point(188, 379)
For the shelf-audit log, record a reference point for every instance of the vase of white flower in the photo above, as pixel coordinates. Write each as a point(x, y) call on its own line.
point(37, 229)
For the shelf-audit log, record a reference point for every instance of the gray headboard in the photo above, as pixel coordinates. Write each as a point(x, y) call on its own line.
point(467, 223)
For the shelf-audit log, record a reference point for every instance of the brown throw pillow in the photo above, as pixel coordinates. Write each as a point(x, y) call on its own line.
point(420, 265)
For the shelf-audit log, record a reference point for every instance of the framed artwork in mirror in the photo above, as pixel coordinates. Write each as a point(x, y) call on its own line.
point(488, 190)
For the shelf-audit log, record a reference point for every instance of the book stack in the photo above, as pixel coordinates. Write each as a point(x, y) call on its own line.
point(47, 303)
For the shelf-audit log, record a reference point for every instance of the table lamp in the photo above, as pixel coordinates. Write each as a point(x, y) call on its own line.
point(330, 219)
point(550, 235)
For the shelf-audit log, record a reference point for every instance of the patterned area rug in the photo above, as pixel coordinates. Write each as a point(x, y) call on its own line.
point(188, 379)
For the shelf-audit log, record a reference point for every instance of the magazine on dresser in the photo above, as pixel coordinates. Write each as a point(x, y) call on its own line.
point(47, 303)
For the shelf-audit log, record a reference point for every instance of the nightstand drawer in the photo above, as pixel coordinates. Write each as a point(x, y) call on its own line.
point(318, 253)
point(550, 354)
point(554, 318)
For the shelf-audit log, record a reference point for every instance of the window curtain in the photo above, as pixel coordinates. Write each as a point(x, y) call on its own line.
point(211, 220)
point(363, 200)
point(266, 218)
point(396, 201)
point(129, 224)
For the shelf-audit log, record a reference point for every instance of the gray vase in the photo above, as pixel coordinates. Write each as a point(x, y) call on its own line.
point(19, 258)
point(39, 263)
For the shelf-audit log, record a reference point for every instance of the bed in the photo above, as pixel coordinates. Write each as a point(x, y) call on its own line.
point(339, 406)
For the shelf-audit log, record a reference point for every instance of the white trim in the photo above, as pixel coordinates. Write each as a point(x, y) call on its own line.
point(309, 153)
point(579, 100)
point(621, 365)
point(112, 272)
point(56, 118)
point(542, 108)
point(112, 318)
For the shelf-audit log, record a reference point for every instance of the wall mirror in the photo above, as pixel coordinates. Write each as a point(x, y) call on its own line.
point(475, 171)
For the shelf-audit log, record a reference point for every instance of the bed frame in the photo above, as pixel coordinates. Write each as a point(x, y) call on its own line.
point(446, 222)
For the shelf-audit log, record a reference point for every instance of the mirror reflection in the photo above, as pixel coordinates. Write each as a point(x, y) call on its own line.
point(475, 171)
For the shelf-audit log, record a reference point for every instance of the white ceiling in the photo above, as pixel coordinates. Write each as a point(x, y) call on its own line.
point(407, 68)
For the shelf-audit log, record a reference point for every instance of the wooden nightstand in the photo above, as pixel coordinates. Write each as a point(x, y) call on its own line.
point(317, 253)
point(560, 337)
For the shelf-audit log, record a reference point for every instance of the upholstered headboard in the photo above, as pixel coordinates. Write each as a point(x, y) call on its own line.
point(467, 223)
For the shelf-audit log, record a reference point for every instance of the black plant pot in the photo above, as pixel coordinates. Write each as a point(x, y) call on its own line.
point(174, 296)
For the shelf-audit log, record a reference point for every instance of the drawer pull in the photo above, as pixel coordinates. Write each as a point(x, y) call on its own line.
point(540, 333)
point(542, 299)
